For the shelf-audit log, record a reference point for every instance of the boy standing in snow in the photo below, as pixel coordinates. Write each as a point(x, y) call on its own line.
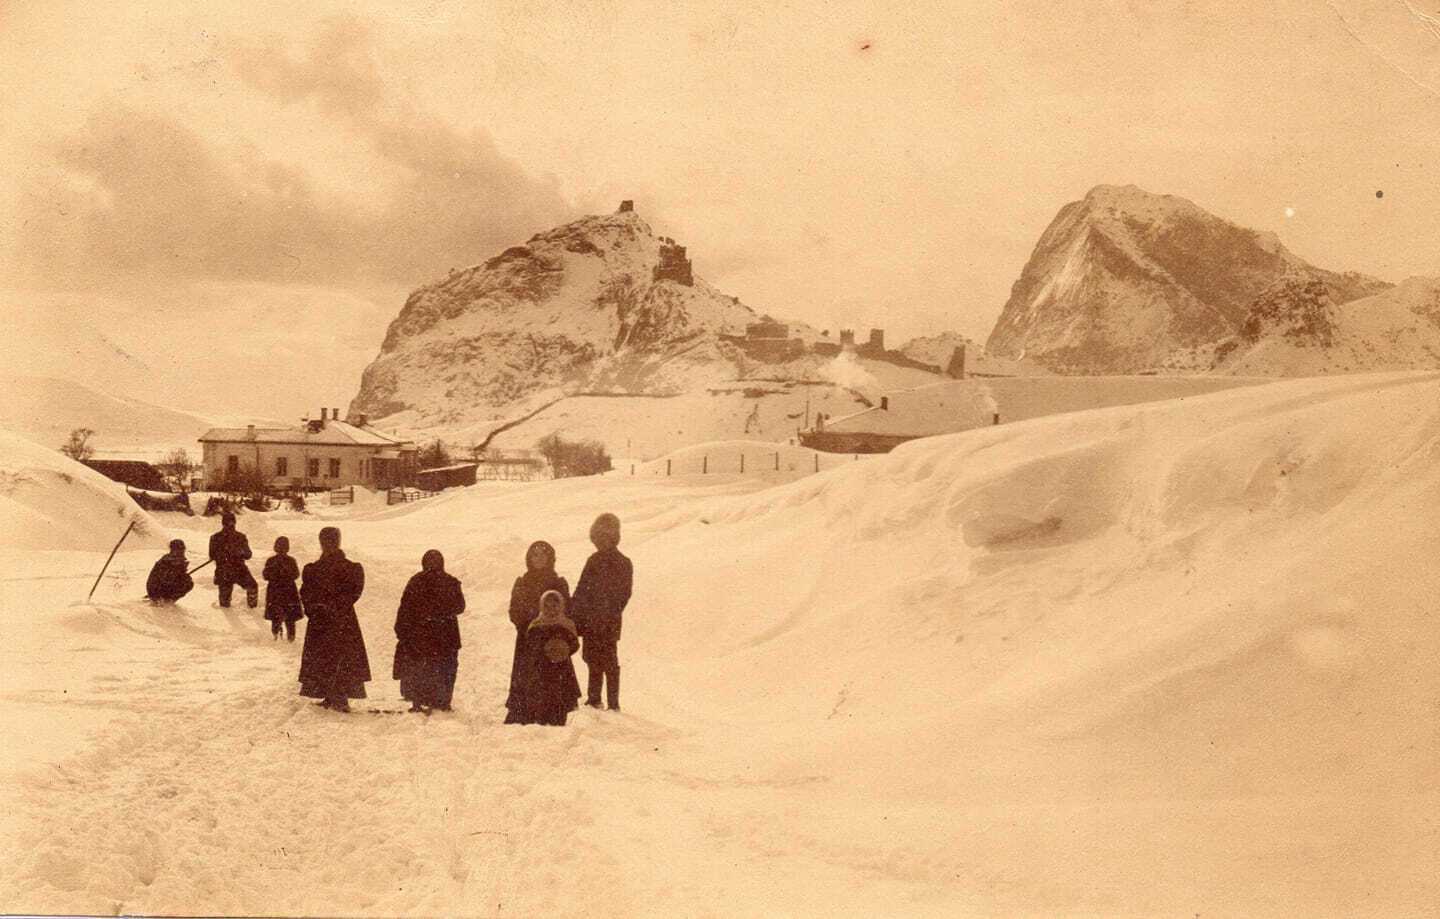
point(229, 549)
point(282, 597)
point(169, 580)
point(599, 601)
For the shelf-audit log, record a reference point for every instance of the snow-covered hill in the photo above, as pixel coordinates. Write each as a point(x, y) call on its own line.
point(45, 410)
point(234, 350)
point(597, 304)
point(1123, 279)
point(1297, 329)
point(50, 502)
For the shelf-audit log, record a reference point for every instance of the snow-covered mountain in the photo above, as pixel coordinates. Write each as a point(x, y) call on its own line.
point(246, 350)
point(1123, 279)
point(45, 410)
point(1297, 329)
point(597, 304)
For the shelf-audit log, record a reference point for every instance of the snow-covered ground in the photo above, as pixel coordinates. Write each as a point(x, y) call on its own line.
point(1171, 658)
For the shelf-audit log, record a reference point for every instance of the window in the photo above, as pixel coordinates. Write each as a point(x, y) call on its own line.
point(232, 465)
point(312, 468)
point(334, 469)
point(282, 465)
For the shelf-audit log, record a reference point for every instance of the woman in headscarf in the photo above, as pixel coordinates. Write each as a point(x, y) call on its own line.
point(538, 578)
point(549, 691)
point(427, 648)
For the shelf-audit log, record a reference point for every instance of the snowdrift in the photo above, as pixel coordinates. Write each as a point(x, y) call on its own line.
point(48, 501)
point(1230, 594)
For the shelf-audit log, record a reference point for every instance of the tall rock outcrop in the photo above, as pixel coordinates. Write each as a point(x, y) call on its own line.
point(1123, 279)
point(597, 304)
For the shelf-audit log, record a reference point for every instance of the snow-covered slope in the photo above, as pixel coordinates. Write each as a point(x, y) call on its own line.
point(45, 410)
point(600, 304)
point(1298, 330)
point(1144, 660)
point(1123, 278)
point(49, 501)
point(245, 350)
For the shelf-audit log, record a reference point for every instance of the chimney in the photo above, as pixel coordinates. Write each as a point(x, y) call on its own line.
point(363, 420)
point(249, 432)
point(996, 418)
point(884, 403)
point(626, 206)
point(323, 414)
point(334, 414)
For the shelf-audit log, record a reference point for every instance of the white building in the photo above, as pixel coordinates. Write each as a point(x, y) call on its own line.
point(328, 453)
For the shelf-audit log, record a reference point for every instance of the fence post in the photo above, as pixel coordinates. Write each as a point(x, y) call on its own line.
point(632, 468)
point(777, 460)
point(817, 462)
point(667, 466)
point(742, 463)
point(705, 464)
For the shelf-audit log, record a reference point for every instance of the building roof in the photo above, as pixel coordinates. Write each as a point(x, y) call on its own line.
point(334, 433)
point(941, 408)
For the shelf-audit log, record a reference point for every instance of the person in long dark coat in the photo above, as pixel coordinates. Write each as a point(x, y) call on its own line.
point(333, 666)
point(229, 549)
point(600, 600)
point(427, 647)
point(525, 596)
point(548, 692)
point(169, 579)
point(282, 597)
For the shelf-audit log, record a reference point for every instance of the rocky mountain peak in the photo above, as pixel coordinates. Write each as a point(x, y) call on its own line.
point(1123, 279)
point(600, 302)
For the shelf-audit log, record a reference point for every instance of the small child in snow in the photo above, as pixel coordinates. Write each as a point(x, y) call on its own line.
point(282, 598)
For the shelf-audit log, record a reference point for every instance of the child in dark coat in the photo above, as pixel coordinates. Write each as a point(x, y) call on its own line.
point(282, 597)
point(600, 599)
point(548, 690)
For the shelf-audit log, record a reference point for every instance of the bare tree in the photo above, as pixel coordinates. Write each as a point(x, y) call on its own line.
point(78, 446)
point(175, 467)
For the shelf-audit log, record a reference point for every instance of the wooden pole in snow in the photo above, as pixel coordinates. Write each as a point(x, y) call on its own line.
point(742, 463)
point(109, 560)
point(201, 565)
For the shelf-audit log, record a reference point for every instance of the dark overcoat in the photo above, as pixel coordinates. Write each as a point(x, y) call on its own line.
point(334, 663)
point(601, 597)
point(168, 579)
point(427, 638)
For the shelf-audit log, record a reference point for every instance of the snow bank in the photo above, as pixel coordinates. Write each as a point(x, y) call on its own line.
point(48, 501)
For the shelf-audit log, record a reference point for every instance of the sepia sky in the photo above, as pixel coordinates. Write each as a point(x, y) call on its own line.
point(830, 162)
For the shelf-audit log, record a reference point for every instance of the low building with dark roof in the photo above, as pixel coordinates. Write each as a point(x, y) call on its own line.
point(135, 473)
point(926, 411)
point(328, 453)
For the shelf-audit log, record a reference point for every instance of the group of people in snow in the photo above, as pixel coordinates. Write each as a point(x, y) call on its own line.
point(551, 624)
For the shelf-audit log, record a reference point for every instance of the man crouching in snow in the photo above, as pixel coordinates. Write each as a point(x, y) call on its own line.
point(169, 580)
point(334, 666)
point(599, 601)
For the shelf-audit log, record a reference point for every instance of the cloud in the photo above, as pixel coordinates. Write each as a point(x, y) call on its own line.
point(137, 193)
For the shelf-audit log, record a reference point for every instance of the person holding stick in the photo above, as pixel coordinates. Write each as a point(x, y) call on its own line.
point(169, 580)
point(229, 549)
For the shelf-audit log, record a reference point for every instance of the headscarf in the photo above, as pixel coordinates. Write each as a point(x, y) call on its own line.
point(545, 619)
point(432, 560)
point(549, 551)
